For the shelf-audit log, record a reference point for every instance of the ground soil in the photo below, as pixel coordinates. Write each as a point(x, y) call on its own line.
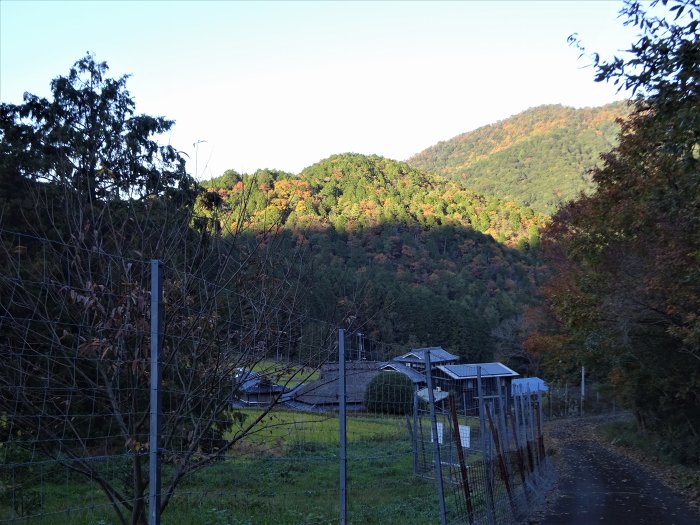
point(597, 483)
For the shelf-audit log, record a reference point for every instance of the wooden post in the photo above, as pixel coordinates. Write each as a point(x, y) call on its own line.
point(462, 463)
point(501, 461)
point(518, 452)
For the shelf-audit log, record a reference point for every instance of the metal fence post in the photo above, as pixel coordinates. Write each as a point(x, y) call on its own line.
point(502, 421)
point(342, 453)
point(157, 315)
point(485, 454)
point(533, 429)
point(436, 438)
point(414, 433)
point(543, 452)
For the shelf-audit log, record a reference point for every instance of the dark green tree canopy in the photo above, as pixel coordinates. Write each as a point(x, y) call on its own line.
point(628, 283)
point(88, 138)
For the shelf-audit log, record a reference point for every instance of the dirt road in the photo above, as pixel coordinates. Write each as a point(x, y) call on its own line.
point(598, 485)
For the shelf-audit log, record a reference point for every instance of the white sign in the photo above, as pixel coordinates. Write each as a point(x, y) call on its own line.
point(440, 427)
point(464, 435)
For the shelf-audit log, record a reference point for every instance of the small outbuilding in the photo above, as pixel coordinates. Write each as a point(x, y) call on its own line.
point(525, 386)
point(496, 379)
point(251, 388)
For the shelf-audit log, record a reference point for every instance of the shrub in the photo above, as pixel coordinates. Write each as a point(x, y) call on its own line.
point(389, 393)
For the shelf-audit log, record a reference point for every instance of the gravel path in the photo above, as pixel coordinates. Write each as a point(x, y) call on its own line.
point(598, 485)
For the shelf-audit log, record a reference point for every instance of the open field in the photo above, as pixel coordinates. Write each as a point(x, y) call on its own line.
point(285, 472)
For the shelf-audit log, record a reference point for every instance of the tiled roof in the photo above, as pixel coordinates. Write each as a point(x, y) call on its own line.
point(253, 383)
point(417, 355)
point(412, 374)
point(324, 391)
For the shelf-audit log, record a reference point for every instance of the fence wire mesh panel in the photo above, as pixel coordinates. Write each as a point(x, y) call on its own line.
point(257, 450)
point(74, 382)
point(381, 486)
point(139, 391)
point(566, 399)
point(234, 437)
point(490, 445)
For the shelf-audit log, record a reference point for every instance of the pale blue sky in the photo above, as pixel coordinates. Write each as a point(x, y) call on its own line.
point(285, 84)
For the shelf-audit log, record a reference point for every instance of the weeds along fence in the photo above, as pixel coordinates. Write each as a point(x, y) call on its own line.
point(143, 391)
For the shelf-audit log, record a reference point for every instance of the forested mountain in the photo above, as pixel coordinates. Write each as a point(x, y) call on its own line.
point(407, 256)
point(539, 158)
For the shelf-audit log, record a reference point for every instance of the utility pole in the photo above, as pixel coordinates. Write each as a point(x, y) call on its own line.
point(583, 386)
point(196, 150)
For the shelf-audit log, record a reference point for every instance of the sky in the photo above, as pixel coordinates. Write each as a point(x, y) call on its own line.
point(283, 85)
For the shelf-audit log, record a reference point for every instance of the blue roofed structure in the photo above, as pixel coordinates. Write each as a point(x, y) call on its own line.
point(527, 386)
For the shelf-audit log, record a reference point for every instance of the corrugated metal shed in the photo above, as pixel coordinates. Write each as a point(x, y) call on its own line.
point(470, 371)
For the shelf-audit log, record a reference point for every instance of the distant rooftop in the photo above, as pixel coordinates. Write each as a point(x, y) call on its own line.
point(417, 355)
point(324, 391)
point(251, 382)
point(528, 385)
point(412, 374)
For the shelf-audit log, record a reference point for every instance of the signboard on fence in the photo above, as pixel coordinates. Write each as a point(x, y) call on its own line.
point(465, 435)
point(440, 427)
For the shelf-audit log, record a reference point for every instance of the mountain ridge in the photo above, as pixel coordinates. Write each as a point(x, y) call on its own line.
point(415, 258)
point(539, 157)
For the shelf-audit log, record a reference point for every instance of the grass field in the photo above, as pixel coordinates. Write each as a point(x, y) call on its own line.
point(285, 472)
point(289, 428)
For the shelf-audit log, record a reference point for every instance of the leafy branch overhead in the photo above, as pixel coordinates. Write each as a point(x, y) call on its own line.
point(627, 289)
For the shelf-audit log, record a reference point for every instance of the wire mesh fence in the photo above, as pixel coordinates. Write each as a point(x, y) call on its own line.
point(124, 380)
point(139, 391)
point(488, 443)
point(566, 399)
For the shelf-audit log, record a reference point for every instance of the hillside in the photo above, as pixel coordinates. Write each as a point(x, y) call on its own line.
point(538, 158)
point(412, 258)
point(351, 192)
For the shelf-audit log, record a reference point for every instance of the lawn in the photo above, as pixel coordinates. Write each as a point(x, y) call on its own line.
point(289, 429)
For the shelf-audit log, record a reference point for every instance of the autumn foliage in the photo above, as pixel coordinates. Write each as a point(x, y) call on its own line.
point(627, 258)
